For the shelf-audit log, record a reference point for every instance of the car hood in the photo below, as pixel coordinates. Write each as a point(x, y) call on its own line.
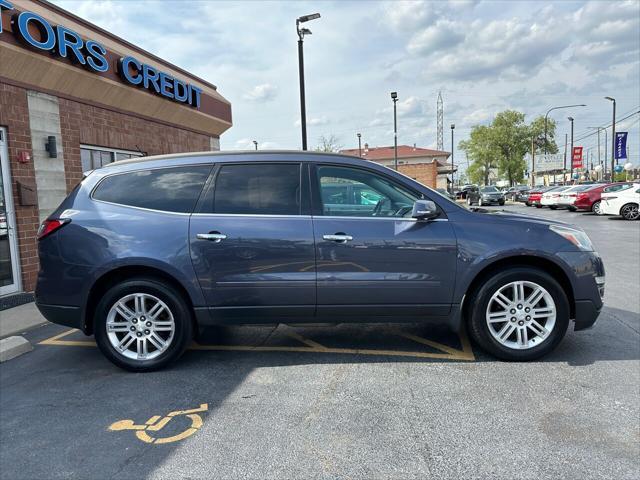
point(516, 217)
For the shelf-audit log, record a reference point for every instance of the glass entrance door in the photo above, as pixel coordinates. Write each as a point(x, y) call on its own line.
point(9, 274)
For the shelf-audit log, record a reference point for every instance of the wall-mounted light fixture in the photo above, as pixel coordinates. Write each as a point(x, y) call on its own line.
point(50, 146)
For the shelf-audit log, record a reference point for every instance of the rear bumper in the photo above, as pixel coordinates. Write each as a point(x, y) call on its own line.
point(586, 314)
point(62, 315)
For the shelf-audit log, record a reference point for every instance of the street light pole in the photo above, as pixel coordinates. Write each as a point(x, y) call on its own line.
point(453, 126)
point(613, 136)
point(394, 97)
point(547, 116)
point(303, 109)
point(571, 176)
point(359, 144)
point(255, 144)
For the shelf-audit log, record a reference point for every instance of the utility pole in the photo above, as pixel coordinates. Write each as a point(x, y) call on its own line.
point(564, 167)
point(533, 163)
point(613, 136)
point(452, 160)
point(571, 176)
point(440, 119)
point(394, 97)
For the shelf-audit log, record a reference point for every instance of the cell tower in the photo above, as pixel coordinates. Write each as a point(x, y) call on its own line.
point(440, 111)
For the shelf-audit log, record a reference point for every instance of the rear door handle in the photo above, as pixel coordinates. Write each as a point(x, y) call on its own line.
point(215, 237)
point(338, 237)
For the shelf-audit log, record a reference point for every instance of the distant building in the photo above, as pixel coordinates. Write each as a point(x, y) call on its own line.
point(429, 167)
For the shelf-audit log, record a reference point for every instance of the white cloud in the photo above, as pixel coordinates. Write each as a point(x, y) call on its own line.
point(261, 93)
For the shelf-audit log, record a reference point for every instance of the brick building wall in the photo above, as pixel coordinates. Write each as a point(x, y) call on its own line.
point(425, 173)
point(80, 124)
point(14, 116)
point(90, 125)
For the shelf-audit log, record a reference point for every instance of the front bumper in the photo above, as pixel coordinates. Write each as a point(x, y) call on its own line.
point(586, 314)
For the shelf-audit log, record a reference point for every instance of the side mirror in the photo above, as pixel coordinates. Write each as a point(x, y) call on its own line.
point(424, 210)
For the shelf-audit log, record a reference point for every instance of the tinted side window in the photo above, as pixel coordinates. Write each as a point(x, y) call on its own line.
point(256, 189)
point(168, 189)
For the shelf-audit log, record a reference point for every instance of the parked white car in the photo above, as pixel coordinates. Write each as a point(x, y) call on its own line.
point(624, 202)
point(550, 198)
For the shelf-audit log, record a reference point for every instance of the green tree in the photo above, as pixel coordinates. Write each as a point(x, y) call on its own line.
point(482, 152)
point(536, 132)
point(511, 136)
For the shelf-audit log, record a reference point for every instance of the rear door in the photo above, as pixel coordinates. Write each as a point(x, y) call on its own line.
point(252, 243)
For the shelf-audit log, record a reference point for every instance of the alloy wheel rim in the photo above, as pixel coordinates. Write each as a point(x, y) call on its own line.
point(140, 326)
point(630, 212)
point(596, 208)
point(521, 315)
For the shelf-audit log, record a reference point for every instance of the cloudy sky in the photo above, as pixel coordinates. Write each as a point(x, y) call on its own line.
point(484, 56)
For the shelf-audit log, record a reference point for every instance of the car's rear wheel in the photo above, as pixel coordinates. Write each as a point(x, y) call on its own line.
point(469, 201)
point(595, 208)
point(142, 324)
point(519, 314)
point(538, 205)
point(553, 207)
point(571, 208)
point(630, 211)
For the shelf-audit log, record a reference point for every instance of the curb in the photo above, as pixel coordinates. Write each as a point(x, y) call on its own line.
point(13, 347)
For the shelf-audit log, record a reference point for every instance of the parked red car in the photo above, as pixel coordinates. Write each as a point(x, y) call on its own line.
point(589, 200)
point(535, 195)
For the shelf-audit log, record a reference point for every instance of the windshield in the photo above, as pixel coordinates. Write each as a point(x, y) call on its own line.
point(489, 190)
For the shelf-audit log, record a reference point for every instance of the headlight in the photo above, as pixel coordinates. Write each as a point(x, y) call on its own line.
point(575, 236)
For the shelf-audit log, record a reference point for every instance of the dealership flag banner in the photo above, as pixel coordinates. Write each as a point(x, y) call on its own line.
point(621, 145)
point(577, 157)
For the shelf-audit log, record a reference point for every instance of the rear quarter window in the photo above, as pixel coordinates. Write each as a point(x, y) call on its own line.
point(168, 189)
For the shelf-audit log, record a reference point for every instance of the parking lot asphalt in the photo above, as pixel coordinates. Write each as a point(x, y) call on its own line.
point(365, 401)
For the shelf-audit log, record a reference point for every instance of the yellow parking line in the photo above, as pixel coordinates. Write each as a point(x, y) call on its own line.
point(466, 354)
point(300, 338)
point(55, 340)
point(438, 346)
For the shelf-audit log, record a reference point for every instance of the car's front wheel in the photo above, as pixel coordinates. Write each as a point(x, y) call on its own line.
point(630, 211)
point(595, 208)
point(519, 314)
point(142, 324)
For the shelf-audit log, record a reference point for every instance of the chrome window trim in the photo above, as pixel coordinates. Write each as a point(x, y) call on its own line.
point(313, 217)
point(246, 215)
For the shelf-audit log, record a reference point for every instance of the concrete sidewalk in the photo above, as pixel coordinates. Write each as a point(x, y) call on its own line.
point(17, 320)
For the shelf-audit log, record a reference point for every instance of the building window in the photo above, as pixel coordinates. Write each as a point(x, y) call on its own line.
point(96, 157)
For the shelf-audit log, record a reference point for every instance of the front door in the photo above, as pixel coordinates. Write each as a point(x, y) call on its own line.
point(9, 271)
point(373, 259)
point(252, 244)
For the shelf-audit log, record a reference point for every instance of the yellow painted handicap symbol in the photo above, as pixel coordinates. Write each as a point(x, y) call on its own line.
point(157, 423)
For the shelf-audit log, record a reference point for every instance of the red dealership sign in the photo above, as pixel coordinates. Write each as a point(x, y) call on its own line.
point(577, 157)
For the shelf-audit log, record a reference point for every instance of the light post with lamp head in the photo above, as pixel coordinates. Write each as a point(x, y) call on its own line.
point(394, 97)
point(303, 109)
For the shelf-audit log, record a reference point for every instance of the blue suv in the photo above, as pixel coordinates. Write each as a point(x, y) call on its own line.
point(145, 252)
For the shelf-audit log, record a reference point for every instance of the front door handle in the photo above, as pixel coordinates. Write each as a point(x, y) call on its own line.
point(215, 237)
point(338, 237)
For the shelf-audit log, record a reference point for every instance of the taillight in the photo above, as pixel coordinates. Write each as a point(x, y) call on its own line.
point(51, 225)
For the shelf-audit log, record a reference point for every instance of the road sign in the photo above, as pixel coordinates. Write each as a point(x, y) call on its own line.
point(577, 157)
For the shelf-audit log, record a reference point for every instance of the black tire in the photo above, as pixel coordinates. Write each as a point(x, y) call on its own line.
point(571, 208)
point(630, 211)
point(479, 330)
point(538, 205)
point(595, 208)
point(501, 203)
point(553, 207)
point(182, 317)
